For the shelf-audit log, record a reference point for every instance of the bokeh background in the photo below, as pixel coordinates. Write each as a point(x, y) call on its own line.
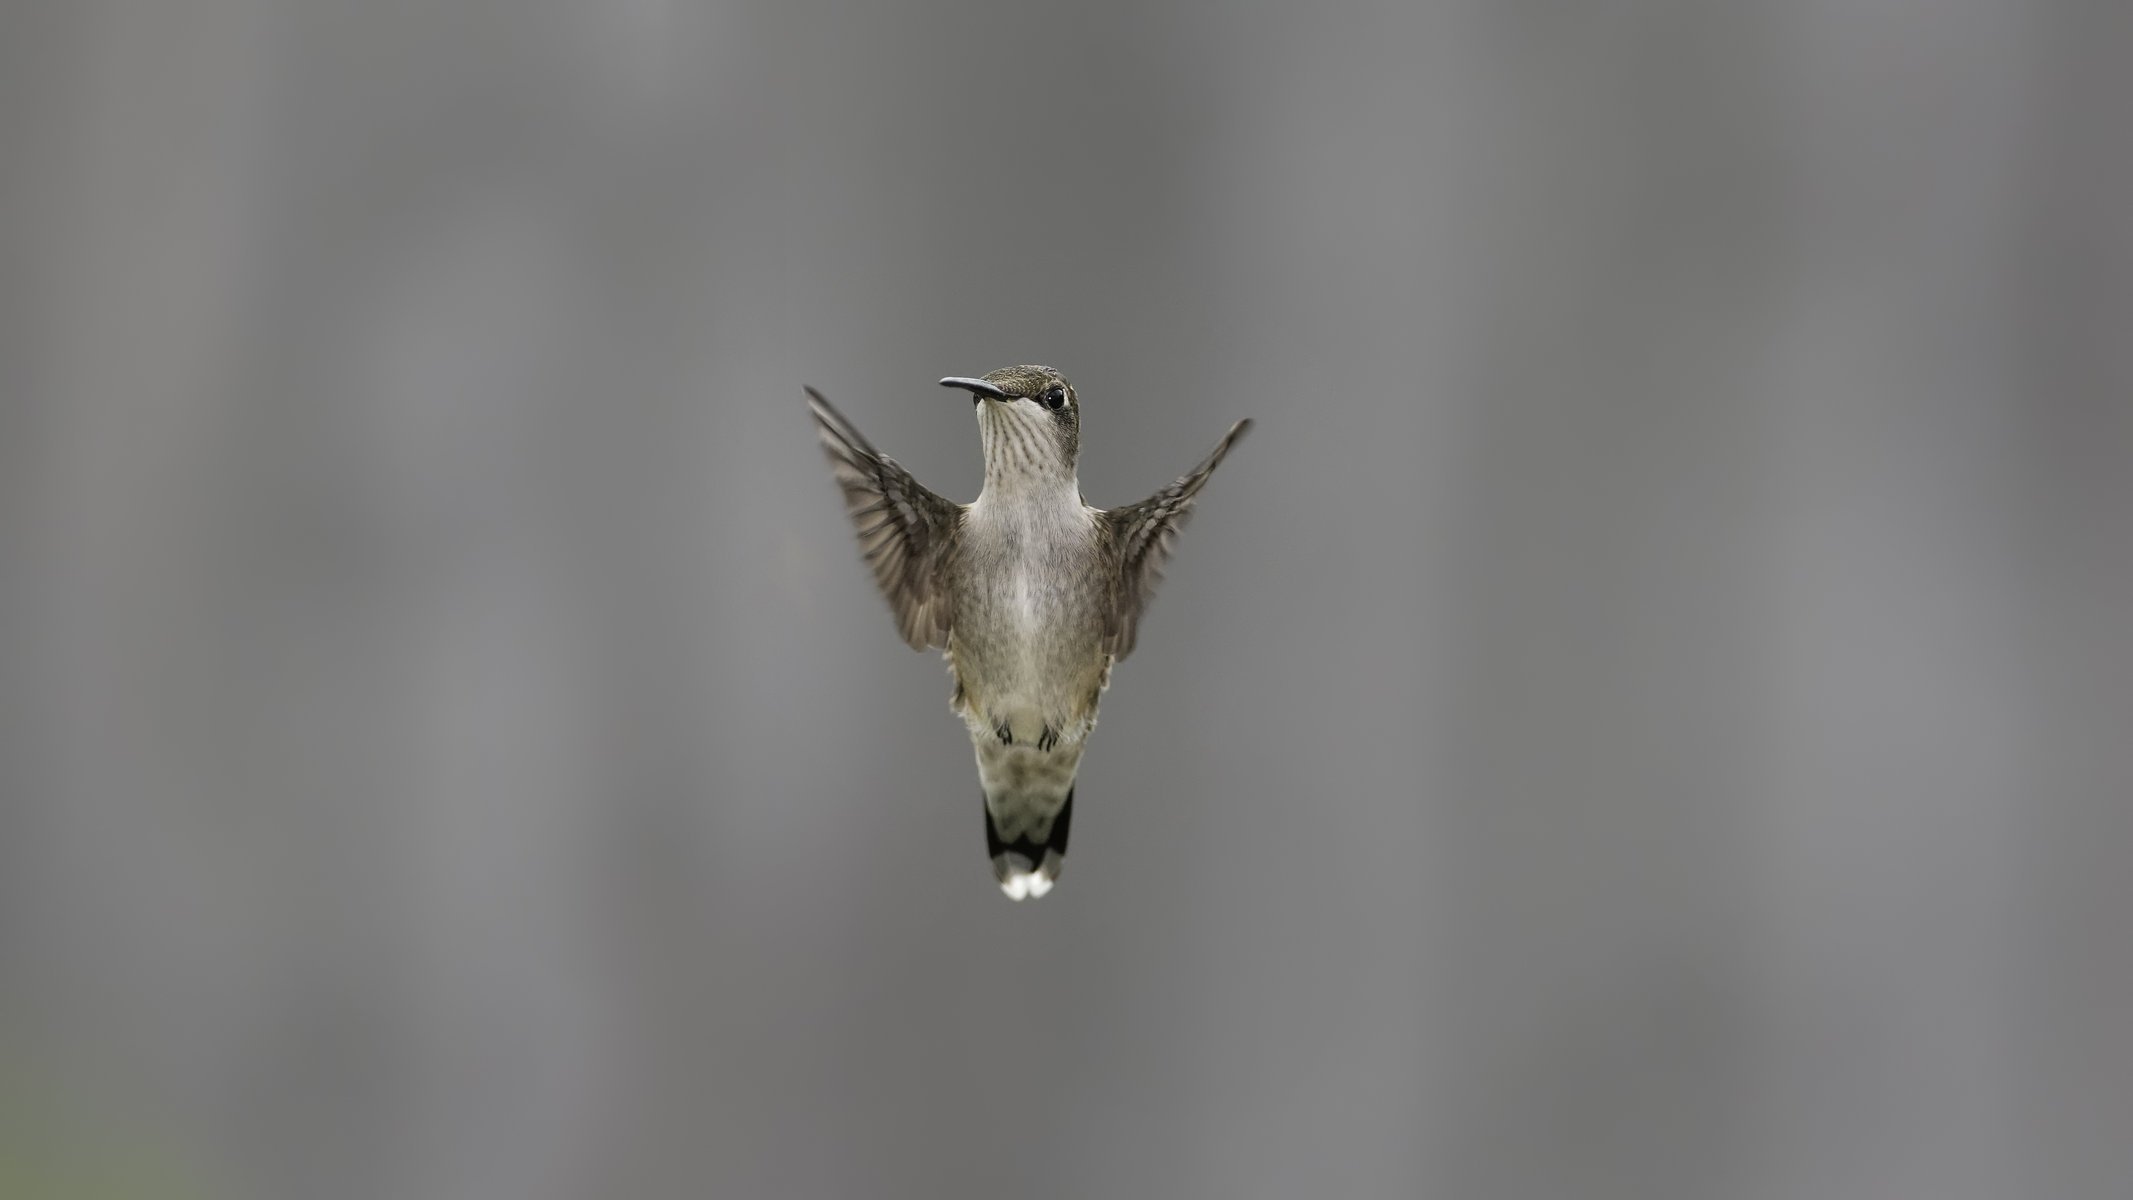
point(1649, 713)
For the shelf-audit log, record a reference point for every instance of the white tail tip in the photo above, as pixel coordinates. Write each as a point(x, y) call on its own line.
point(1019, 882)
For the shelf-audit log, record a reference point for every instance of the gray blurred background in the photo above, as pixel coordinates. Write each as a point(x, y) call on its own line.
point(1649, 714)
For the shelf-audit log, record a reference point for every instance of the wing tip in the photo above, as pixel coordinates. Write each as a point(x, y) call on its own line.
point(839, 436)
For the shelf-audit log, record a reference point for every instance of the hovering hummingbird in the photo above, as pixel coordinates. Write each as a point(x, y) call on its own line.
point(1031, 593)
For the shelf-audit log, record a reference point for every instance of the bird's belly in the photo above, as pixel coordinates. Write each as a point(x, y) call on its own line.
point(1026, 660)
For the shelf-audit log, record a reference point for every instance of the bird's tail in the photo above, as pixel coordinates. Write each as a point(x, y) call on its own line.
point(1026, 835)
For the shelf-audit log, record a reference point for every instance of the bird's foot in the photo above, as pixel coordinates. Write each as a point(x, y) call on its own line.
point(1004, 733)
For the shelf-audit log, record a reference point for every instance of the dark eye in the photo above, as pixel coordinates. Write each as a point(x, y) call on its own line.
point(1054, 397)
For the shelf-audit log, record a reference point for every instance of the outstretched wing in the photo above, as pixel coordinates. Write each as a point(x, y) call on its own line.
point(1142, 536)
point(905, 531)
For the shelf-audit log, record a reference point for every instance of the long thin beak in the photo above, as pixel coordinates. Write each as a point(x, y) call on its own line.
point(979, 386)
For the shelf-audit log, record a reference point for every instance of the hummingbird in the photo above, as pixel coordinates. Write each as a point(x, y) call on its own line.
point(1030, 593)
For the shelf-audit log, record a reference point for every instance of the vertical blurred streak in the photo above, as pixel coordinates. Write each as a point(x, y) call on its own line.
point(300, 853)
point(1899, 659)
point(2076, 288)
point(1589, 1017)
point(37, 45)
point(140, 287)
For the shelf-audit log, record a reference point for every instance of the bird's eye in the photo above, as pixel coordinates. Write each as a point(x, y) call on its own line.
point(1054, 397)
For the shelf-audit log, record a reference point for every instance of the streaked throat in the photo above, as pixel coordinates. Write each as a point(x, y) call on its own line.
point(1024, 460)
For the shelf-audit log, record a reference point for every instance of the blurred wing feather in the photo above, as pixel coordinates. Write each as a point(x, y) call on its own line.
point(905, 530)
point(1143, 535)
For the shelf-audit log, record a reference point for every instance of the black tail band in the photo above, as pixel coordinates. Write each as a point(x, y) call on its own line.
point(1027, 847)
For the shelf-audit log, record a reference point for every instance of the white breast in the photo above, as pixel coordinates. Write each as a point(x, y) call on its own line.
point(1025, 602)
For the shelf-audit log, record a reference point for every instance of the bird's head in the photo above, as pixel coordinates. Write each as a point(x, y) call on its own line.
point(1030, 418)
